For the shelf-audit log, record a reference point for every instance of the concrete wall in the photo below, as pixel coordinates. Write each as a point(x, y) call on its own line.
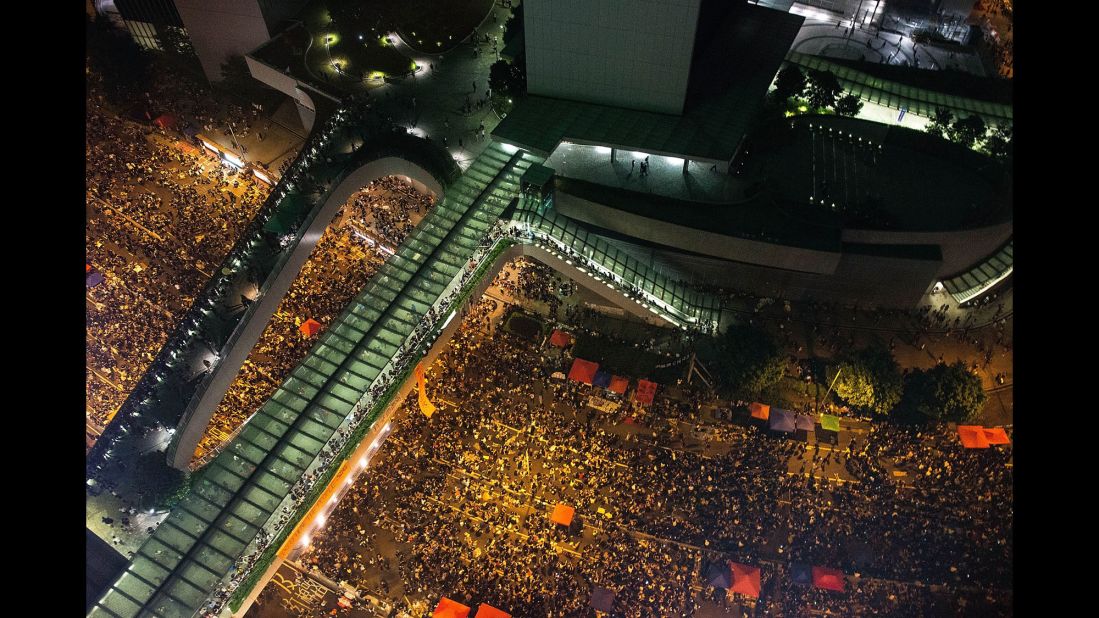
point(700, 241)
point(197, 417)
point(222, 28)
point(870, 280)
point(629, 53)
point(961, 249)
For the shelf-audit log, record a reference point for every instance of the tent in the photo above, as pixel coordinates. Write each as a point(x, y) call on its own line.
point(166, 121)
point(829, 422)
point(759, 410)
point(800, 573)
point(645, 393)
point(583, 371)
point(87, 268)
point(449, 608)
point(996, 435)
point(94, 279)
point(745, 579)
point(310, 327)
point(718, 576)
point(782, 420)
point(973, 436)
point(804, 421)
point(560, 339)
point(619, 384)
point(562, 514)
point(602, 378)
point(190, 130)
point(602, 599)
point(487, 611)
point(828, 579)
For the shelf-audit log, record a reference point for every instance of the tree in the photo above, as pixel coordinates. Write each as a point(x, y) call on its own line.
point(969, 130)
point(823, 89)
point(514, 25)
point(849, 105)
point(940, 122)
point(751, 358)
point(790, 82)
point(161, 485)
point(1000, 143)
point(949, 393)
point(871, 380)
point(507, 78)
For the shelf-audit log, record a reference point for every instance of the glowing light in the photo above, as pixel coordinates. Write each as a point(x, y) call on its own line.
point(508, 148)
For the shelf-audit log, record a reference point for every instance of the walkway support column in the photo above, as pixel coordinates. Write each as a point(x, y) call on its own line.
point(686, 162)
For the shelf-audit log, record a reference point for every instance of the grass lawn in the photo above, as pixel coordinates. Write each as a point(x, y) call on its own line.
point(623, 359)
point(525, 326)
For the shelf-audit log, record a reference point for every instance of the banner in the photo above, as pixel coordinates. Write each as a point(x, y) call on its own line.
point(426, 406)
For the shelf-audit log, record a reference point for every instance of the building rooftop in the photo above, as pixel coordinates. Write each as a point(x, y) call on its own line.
point(723, 99)
point(867, 175)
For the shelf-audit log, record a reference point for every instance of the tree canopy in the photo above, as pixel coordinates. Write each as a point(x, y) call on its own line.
point(870, 379)
point(124, 66)
point(968, 131)
point(940, 122)
point(790, 82)
point(949, 393)
point(849, 105)
point(823, 89)
point(751, 359)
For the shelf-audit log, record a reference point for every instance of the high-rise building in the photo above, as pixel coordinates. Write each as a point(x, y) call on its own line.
point(216, 29)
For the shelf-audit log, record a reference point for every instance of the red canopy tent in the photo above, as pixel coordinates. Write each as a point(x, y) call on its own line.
point(973, 436)
point(449, 608)
point(828, 579)
point(583, 371)
point(560, 339)
point(996, 435)
point(487, 611)
point(166, 121)
point(745, 579)
point(645, 393)
point(562, 514)
point(760, 410)
point(619, 384)
point(310, 327)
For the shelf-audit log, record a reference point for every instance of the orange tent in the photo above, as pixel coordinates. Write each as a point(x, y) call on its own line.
point(996, 435)
point(449, 608)
point(560, 339)
point(310, 327)
point(645, 393)
point(87, 268)
point(829, 579)
point(745, 579)
point(562, 514)
point(487, 611)
point(583, 371)
point(619, 384)
point(973, 436)
point(760, 410)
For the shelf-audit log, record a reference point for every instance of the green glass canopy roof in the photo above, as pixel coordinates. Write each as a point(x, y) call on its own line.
point(896, 95)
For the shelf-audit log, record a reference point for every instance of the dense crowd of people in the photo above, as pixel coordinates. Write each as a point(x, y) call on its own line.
point(457, 504)
point(160, 218)
point(342, 262)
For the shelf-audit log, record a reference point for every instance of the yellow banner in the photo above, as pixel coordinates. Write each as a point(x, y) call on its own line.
point(426, 406)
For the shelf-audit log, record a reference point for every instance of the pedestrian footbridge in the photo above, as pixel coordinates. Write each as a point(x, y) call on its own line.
point(245, 502)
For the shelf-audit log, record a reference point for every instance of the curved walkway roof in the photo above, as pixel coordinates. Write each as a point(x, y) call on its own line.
point(893, 94)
